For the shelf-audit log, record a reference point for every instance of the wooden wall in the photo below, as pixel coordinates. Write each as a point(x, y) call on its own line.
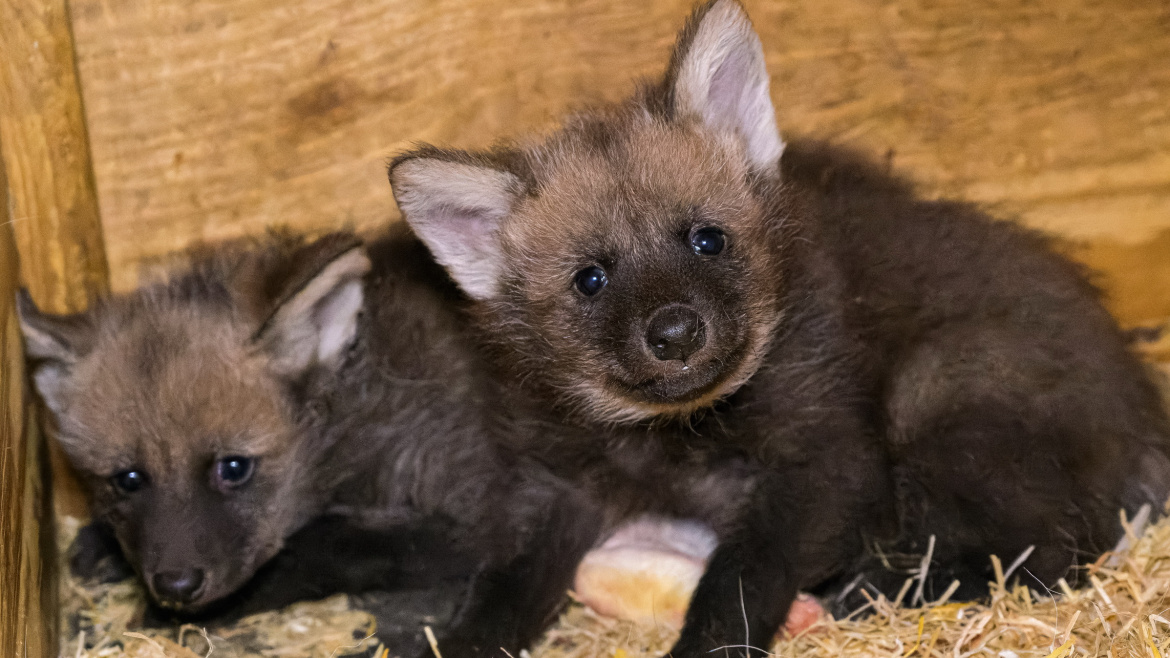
point(215, 118)
point(27, 597)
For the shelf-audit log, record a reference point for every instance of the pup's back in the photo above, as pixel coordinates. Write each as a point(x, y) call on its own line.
point(1010, 397)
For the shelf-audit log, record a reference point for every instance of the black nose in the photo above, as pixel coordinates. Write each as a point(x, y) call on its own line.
point(178, 586)
point(675, 332)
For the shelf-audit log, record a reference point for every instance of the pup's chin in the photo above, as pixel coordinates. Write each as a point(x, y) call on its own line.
point(217, 599)
point(682, 390)
point(664, 391)
point(207, 602)
point(220, 592)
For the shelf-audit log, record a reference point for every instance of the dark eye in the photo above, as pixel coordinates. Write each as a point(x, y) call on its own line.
point(234, 471)
point(130, 481)
point(707, 241)
point(590, 280)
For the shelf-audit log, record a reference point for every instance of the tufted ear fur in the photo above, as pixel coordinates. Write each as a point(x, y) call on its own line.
point(314, 317)
point(718, 74)
point(53, 344)
point(455, 208)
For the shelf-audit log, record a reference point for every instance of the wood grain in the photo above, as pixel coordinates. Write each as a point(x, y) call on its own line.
point(53, 207)
point(44, 144)
point(27, 595)
point(217, 118)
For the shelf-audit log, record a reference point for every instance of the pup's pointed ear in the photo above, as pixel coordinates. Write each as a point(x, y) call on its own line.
point(718, 74)
point(53, 345)
point(318, 300)
point(456, 209)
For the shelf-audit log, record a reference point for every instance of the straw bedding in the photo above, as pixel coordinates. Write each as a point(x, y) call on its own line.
point(1122, 611)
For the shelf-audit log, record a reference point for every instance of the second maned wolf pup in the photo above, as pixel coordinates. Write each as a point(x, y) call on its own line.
point(902, 371)
point(214, 414)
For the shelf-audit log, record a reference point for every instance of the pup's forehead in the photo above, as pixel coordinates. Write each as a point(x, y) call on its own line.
point(164, 386)
point(151, 349)
point(632, 183)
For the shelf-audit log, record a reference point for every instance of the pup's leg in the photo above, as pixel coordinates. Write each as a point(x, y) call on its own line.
point(750, 582)
point(510, 603)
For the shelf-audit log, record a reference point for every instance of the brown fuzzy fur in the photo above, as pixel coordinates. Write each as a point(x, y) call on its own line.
point(879, 368)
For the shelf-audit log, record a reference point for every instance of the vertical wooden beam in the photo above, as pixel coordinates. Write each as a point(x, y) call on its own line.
point(49, 216)
point(28, 602)
point(52, 206)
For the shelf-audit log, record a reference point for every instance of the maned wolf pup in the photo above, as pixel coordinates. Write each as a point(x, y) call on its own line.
point(216, 413)
point(903, 369)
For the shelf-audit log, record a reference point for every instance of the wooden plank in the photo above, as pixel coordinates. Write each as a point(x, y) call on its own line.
point(45, 146)
point(217, 118)
point(27, 555)
point(53, 200)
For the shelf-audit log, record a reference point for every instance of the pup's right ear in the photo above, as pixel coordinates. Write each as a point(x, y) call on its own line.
point(53, 345)
point(313, 318)
point(456, 209)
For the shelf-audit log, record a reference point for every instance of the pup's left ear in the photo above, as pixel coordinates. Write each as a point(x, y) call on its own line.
point(314, 317)
point(718, 74)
